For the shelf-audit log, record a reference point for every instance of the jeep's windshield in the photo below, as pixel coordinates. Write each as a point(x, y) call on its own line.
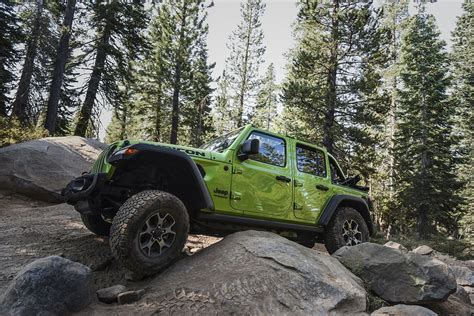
point(222, 143)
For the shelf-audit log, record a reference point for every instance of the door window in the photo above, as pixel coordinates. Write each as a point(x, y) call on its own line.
point(311, 160)
point(271, 151)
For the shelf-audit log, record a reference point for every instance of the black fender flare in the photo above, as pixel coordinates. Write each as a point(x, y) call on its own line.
point(359, 204)
point(199, 194)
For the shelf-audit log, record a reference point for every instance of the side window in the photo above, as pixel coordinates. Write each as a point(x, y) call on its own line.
point(310, 160)
point(272, 149)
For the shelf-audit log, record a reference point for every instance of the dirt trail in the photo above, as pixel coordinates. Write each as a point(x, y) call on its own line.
point(31, 230)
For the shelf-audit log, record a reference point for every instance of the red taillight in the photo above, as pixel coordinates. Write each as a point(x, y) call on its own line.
point(130, 151)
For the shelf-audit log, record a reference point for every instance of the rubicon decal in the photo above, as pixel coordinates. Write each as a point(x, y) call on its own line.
point(191, 152)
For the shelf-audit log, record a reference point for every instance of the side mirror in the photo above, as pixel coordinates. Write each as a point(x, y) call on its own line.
point(249, 147)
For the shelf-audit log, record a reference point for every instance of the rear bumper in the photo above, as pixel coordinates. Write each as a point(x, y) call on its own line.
point(81, 189)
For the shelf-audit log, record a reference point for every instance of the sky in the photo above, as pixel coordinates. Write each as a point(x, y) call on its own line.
point(277, 23)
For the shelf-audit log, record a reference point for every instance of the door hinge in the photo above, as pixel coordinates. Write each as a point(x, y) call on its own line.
point(298, 183)
point(235, 196)
point(237, 170)
point(297, 206)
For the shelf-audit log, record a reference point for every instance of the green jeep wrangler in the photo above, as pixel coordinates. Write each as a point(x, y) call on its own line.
point(148, 196)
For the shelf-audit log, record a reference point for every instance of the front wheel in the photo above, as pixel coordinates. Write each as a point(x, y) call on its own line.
point(149, 231)
point(346, 228)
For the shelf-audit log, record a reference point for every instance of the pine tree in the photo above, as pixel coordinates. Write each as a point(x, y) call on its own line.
point(463, 99)
point(151, 107)
point(267, 100)
point(426, 182)
point(21, 104)
point(176, 72)
point(221, 112)
point(117, 24)
point(197, 111)
point(246, 55)
point(10, 36)
point(395, 16)
point(334, 76)
point(40, 23)
point(62, 54)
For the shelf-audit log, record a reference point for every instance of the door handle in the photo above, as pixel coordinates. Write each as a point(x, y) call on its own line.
point(321, 187)
point(283, 178)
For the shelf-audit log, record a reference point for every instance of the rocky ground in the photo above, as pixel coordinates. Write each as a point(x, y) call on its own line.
point(32, 229)
point(50, 263)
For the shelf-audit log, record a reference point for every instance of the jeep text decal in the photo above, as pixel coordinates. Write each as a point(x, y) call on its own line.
point(221, 193)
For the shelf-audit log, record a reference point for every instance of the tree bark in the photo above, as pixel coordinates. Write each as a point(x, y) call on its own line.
point(331, 97)
point(20, 105)
point(59, 66)
point(244, 77)
point(177, 82)
point(94, 81)
point(422, 225)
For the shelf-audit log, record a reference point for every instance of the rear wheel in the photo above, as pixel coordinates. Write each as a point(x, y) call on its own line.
point(149, 231)
point(346, 228)
point(96, 224)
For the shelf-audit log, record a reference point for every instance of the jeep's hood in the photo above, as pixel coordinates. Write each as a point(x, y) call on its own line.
point(193, 152)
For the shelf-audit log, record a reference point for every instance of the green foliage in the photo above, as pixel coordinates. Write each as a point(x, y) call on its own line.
point(459, 249)
point(174, 78)
point(244, 61)
point(10, 36)
point(383, 179)
point(267, 101)
point(333, 79)
point(12, 132)
point(118, 40)
point(425, 180)
point(463, 100)
point(222, 114)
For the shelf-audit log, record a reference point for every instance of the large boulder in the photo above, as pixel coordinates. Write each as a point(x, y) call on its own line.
point(464, 275)
point(399, 277)
point(395, 245)
point(253, 273)
point(458, 304)
point(48, 286)
point(41, 168)
point(423, 250)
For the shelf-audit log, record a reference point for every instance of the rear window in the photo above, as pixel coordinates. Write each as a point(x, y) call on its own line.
point(311, 160)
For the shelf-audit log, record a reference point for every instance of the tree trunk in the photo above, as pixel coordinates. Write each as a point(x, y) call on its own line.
point(86, 110)
point(157, 132)
point(240, 112)
point(331, 97)
point(422, 225)
point(177, 82)
point(20, 105)
point(59, 65)
point(175, 108)
point(123, 122)
point(197, 137)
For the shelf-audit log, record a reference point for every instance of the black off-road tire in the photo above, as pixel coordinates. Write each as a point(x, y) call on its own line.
point(334, 237)
point(96, 224)
point(128, 225)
